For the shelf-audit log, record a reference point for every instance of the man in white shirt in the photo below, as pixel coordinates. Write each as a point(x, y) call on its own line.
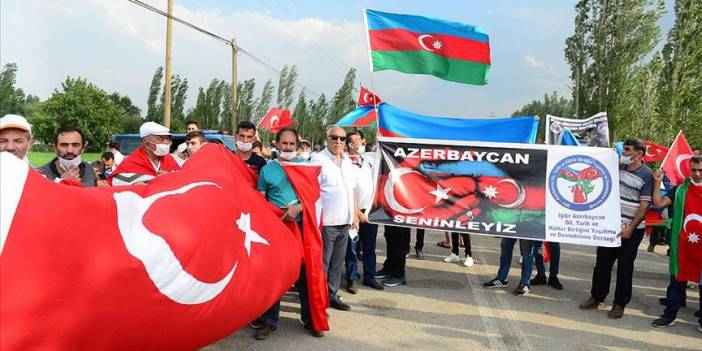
point(339, 209)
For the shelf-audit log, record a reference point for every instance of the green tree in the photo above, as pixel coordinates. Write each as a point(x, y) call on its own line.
point(343, 101)
point(80, 104)
point(680, 81)
point(263, 104)
point(131, 114)
point(153, 109)
point(245, 99)
point(318, 113)
point(611, 39)
point(11, 98)
point(638, 116)
point(551, 104)
point(286, 87)
point(300, 115)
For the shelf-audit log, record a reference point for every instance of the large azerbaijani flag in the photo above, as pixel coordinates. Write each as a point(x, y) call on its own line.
point(420, 45)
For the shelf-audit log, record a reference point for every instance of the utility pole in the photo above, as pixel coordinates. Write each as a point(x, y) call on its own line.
point(234, 86)
point(169, 70)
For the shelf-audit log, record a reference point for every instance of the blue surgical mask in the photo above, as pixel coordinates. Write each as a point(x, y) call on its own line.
point(625, 160)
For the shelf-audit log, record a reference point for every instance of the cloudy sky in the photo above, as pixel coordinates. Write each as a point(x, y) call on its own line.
point(118, 45)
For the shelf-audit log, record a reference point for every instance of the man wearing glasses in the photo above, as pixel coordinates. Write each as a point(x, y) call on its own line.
point(689, 199)
point(339, 208)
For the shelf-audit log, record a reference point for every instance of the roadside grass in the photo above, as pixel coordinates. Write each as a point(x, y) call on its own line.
point(40, 158)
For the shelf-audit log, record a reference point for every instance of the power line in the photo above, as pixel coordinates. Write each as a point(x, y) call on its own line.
point(238, 49)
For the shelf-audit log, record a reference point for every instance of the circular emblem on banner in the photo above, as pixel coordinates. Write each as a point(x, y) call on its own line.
point(580, 183)
point(556, 127)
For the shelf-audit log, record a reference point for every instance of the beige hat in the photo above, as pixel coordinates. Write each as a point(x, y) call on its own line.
point(16, 122)
point(152, 128)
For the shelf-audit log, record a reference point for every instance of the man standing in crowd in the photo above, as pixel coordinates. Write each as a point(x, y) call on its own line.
point(691, 194)
point(540, 278)
point(339, 208)
point(194, 141)
point(16, 136)
point(69, 145)
point(108, 162)
point(468, 250)
point(245, 138)
point(367, 232)
point(636, 186)
point(274, 184)
point(526, 248)
point(397, 240)
point(114, 149)
point(150, 160)
point(305, 150)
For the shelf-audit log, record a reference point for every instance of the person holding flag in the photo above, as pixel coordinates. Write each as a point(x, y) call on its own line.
point(685, 243)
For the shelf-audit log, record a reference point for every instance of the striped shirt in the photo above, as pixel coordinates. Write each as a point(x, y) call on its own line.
point(635, 186)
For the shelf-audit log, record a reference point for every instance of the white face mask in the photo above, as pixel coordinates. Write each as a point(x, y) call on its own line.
point(625, 160)
point(69, 164)
point(287, 155)
point(244, 147)
point(305, 155)
point(361, 149)
point(162, 149)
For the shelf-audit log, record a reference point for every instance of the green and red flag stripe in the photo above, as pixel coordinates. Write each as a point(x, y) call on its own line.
point(420, 45)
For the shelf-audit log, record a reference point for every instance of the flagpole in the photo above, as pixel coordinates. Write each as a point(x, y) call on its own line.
point(370, 73)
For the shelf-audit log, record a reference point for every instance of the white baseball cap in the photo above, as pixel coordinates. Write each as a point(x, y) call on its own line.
point(152, 128)
point(16, 122)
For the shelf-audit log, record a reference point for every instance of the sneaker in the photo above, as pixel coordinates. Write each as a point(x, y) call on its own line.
point(495, 283)
point(314, 333)
point(350, 288)
point(256, 323)
point(522, 289)
point(392, 281)
point(539, 279)
point(452, 258)
point(381, 274)
point(555, 283)
point(616, 312)
point(264, 332)
point(339, 305)
point(374, 284)
point(589, 304)
point(419, 254)
point(664, 301)
point(663, 322)
point(468, 262)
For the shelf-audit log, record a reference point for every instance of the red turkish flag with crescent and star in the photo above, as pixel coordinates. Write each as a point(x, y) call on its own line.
point(173, 265)
point(367, 98)
point(676, 164)
point(654, 152)
point(276, 119)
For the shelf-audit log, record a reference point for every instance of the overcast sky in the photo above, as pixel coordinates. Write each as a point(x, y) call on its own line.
point(118, 45)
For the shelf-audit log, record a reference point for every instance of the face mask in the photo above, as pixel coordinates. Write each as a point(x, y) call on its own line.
point(244, 147)
point(162, 149)
point(625, 160)
point(69, 164)
point(361, 149)
point(287, 155)
point(305, 155)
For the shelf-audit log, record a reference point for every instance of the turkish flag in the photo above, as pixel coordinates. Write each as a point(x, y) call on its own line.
point(276, 119)
point(654, 152)
point(367, 98)
point(173, 265)
point(305, 180)
point(689, 241)
point(676, 164)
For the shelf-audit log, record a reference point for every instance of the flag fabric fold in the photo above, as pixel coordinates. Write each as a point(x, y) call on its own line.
point(676, 164)
point(361, 116)
point(367, 98)
point(276, 119)
point(394, 122)
point(654, 152)
point(421, 45)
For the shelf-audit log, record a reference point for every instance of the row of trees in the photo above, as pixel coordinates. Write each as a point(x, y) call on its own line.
point(614, 68)
point(99, 114)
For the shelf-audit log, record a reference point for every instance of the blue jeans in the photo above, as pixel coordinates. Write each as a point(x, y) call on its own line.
point(334, 239)
point(555, 259)
point(526, 247)
point(272, 315)
point(367, 235)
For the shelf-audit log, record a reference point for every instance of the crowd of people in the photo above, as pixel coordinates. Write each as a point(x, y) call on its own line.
point(347, 185)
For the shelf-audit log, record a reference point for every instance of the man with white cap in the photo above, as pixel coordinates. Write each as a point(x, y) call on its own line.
point(149, 160)
point(16, 136)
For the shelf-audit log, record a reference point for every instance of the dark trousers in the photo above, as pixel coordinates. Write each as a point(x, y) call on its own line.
point(367, 235)
point(419, 241)
point(555, 250)
point(397, 240)
point(675, 295)
point(272, 315)
point(602, 274)
point(466, 243)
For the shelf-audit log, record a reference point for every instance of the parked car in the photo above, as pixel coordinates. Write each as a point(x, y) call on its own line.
point(129, 142)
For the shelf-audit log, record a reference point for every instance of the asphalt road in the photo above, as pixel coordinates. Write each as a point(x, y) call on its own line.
point(445, 307)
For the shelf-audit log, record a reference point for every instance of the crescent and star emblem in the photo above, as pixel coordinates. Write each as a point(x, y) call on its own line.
point(692, 237)
point(680, 159)
point(435, 43)
point(491, 192)
point(274, 120)
point(389, 190)
point(162, 266)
